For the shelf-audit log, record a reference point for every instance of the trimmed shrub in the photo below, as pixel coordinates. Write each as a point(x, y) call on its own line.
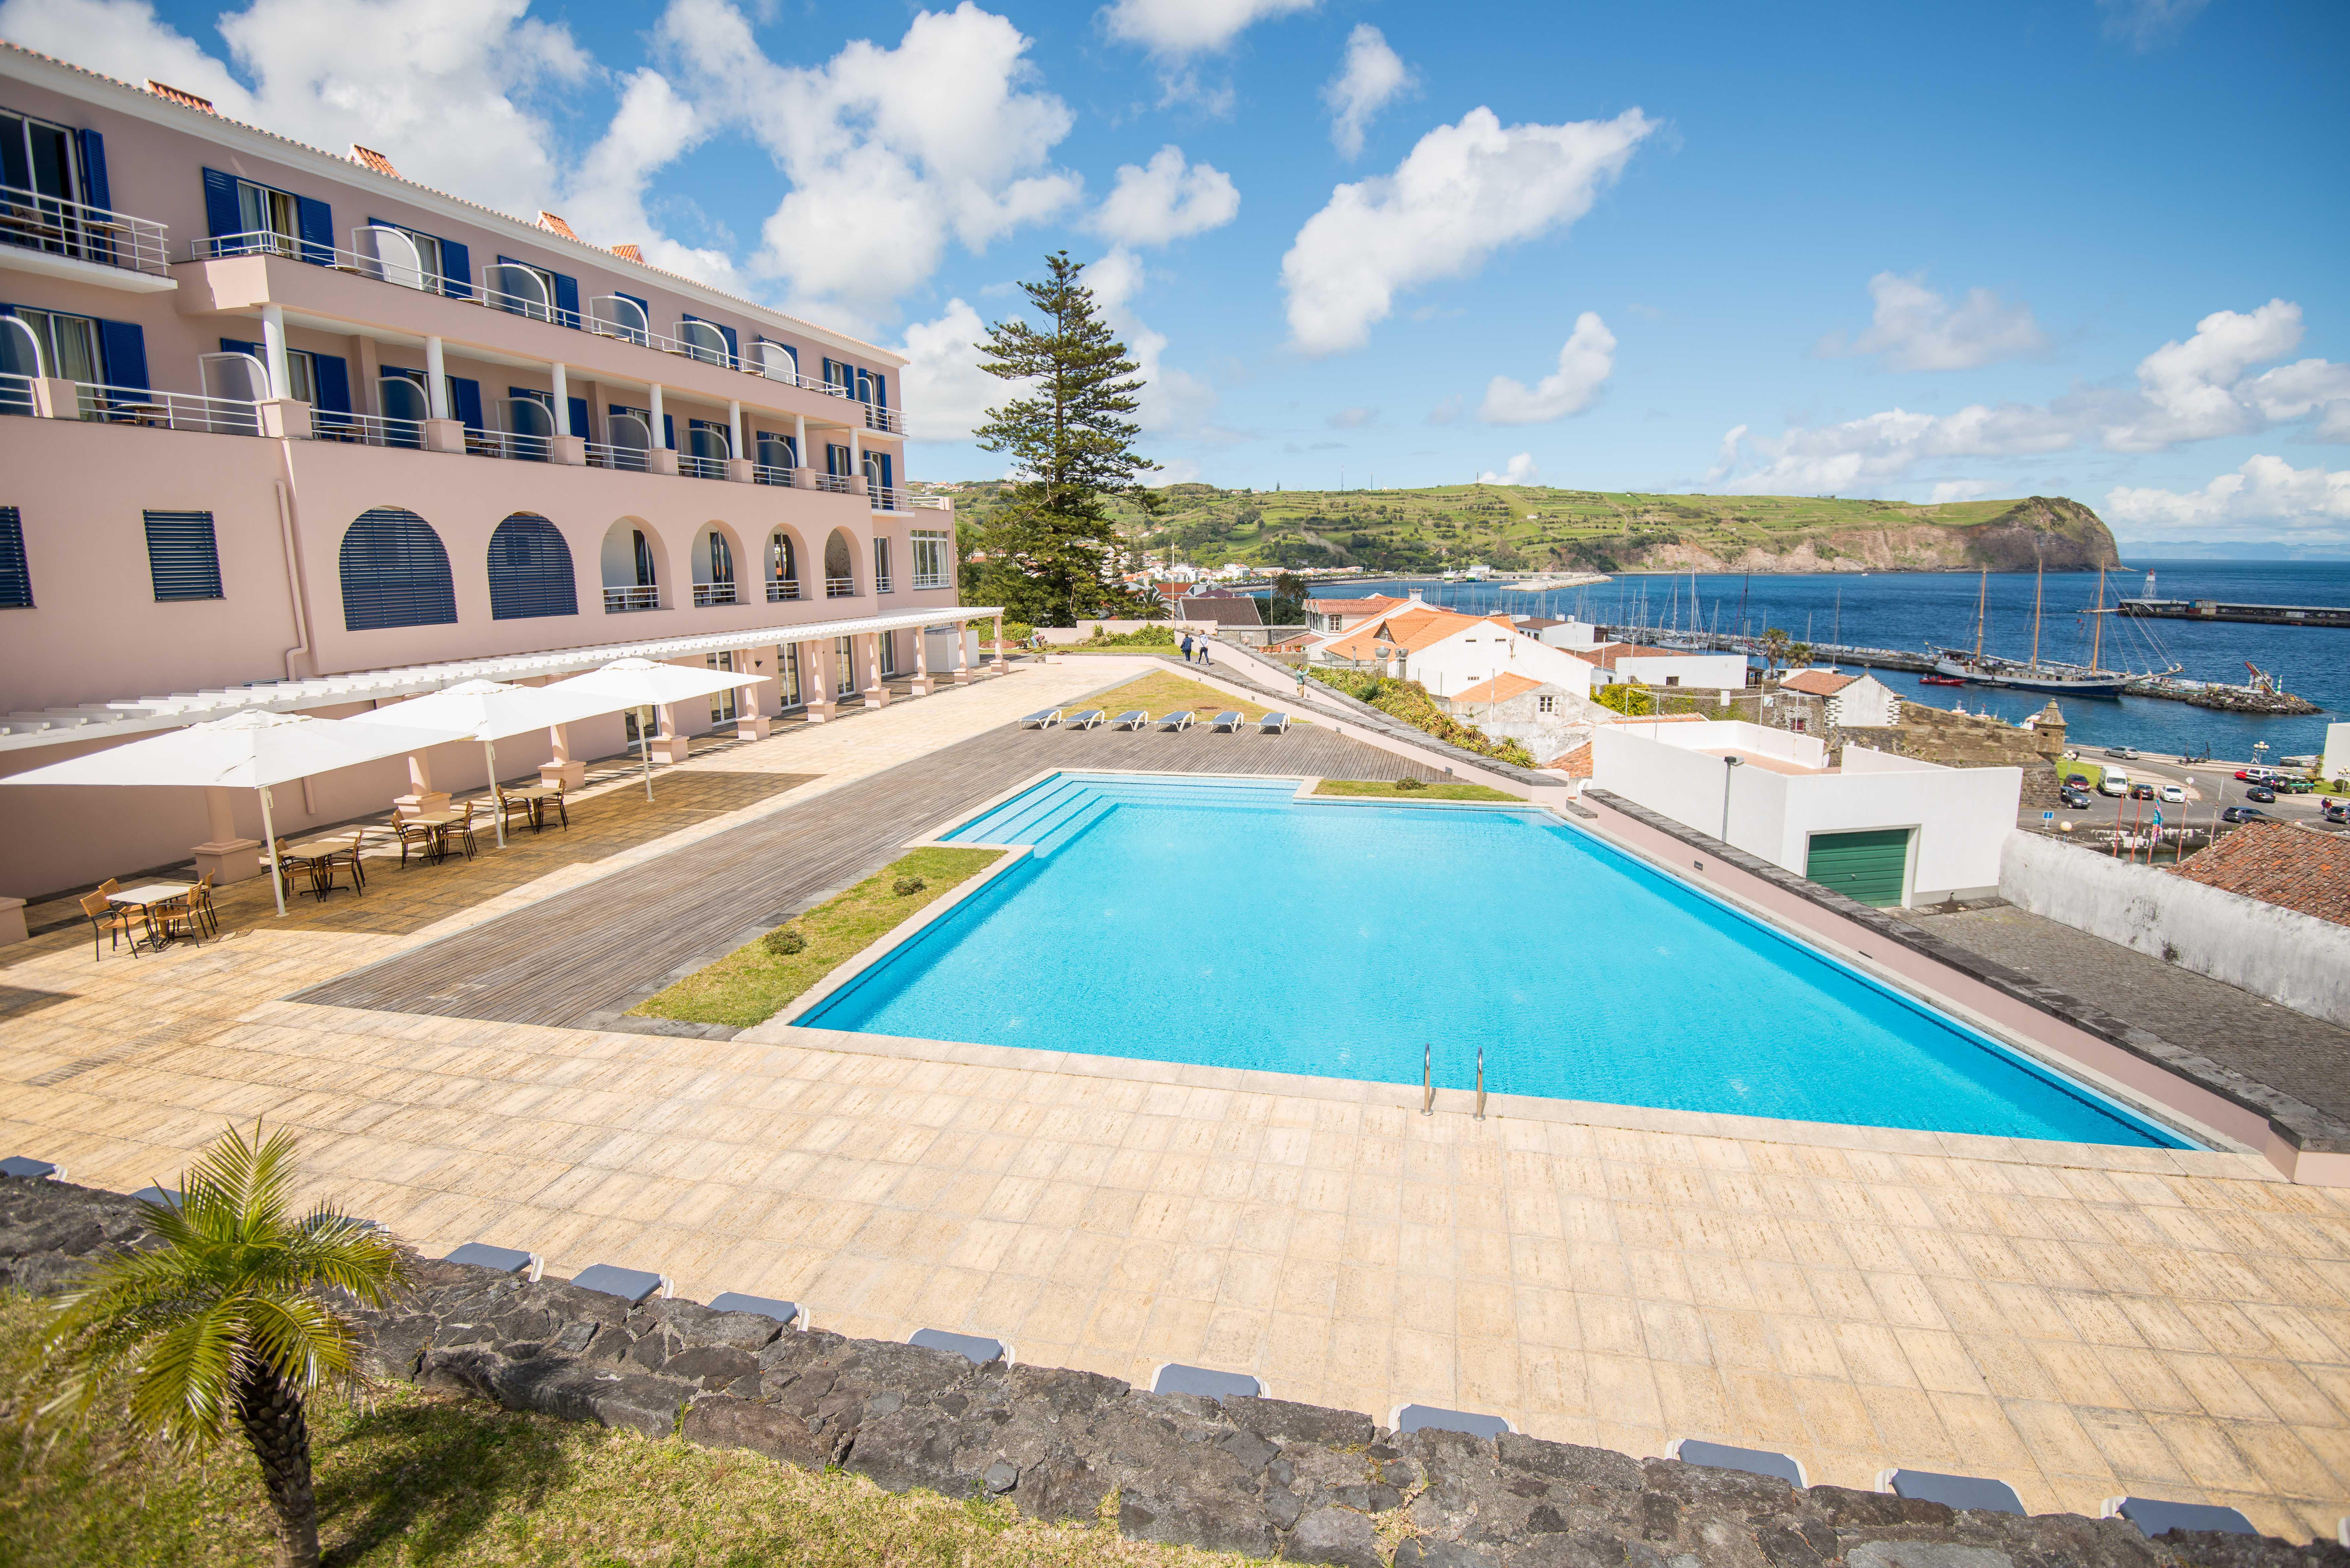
point(1412, 783)
point(784, 941)
point(907, 887)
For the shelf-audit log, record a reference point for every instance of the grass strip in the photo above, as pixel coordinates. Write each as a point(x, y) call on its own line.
point(1163, 691)
point(752, 984)
point(407, 1478)
point(1387, 788)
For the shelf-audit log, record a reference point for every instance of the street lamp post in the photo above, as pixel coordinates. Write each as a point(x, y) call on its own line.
point(1729, 772)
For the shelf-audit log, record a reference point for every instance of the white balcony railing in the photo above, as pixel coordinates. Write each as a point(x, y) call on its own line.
point(152, 410)
point(765, 474)
point(16, 393)
point(840, 587)
point(618, 600)
point(832, 484)
point(886, 497)
point(507, 443)
point(366, 430)
point(75, 229)
point(708, 594)
point(627, 458)
point(694, 467)
point(932, 502)
point(781, 590)
point(881, 584)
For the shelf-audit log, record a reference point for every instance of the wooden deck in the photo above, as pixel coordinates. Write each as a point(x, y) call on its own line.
point(583, 957)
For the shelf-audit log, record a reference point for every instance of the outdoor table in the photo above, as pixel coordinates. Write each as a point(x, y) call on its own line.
point(538, 795)
point(439, 822)
point(146, 898)
point(317, 856)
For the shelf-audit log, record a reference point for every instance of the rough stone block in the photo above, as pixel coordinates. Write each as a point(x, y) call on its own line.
point(1336, 1535)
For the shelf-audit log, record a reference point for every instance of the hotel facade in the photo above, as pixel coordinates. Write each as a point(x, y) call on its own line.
point(291, 431)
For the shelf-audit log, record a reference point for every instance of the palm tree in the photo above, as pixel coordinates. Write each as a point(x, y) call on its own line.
point(1774, 649)
point(224, 1321)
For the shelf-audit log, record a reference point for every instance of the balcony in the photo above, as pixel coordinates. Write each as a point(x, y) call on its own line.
point(693, 467)
point(706, 595)
point(885, 498)
point(140, 407)
point(782, 591)
point(623, 459)
point(76, 231)
point(881, 584)
point(832, 484)
point(619, 601)
point(840, 587)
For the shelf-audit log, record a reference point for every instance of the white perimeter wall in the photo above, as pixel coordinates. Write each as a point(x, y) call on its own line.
point(1722, 671)
point(2281, 954)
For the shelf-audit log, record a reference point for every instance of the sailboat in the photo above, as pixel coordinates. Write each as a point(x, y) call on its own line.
point(2058, 680)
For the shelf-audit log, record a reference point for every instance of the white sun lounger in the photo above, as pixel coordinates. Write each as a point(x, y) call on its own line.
point(1044, 718)
point(1132, 719)
point(1229, 722)
point(1272, 724)
point(1178, 720)
point(1084, 720)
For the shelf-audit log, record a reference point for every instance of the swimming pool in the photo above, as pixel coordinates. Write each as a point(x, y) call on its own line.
point(1226, 923)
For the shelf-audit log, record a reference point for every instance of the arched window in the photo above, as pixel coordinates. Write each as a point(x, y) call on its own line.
point(839, 567)
point(530, 570)
point(395, 572)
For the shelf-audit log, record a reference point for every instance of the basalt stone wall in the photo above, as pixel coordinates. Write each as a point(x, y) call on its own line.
point(1262, 1476)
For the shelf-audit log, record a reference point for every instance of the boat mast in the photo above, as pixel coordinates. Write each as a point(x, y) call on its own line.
point(2039, 580)
point(2097, 623)
point(1981, 590)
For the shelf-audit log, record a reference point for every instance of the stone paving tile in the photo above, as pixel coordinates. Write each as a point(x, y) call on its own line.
point(2079, 1321)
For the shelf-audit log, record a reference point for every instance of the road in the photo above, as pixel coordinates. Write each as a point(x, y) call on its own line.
point(2210, 788)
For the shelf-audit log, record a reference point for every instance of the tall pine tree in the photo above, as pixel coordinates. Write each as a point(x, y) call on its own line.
point(1071, 447)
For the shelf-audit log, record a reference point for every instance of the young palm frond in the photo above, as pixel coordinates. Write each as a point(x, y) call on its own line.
point(222, 1320)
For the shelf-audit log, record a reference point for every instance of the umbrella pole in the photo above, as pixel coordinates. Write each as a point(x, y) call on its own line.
point(497, 814)
point(645, 747)
point(277, 879)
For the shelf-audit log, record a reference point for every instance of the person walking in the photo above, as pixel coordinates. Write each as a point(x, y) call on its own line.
point(1203, 651)
point(1187, 648)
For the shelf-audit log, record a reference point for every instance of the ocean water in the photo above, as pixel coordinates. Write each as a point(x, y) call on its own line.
point(1181, 921)
point(1907, 610)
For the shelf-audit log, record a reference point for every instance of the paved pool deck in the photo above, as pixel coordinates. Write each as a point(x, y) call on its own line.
point(2081, 1321)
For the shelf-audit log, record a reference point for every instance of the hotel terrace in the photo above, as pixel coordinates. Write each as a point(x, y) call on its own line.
point(301, 434)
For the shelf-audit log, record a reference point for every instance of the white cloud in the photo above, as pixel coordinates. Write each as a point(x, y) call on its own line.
point(1173, 401)
point(1958, 490)
point(1584, 362)
point(1373, 77)
point(444, 87)
point(942, 382)
point(2143, 24)
point(652, 128)
point(1521, 469)
point(1352, 418)
point(1181, 28)
point(2264, 495)
point(2200, 390)
point(1915, 329)
point(1463, 192)
point(1164, 201)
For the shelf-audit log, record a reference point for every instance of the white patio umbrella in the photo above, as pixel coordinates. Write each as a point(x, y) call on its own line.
point(251, 749)
point(641, 683)
point(486, 711)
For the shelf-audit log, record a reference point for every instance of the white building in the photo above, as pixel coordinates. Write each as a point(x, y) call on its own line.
point(1887, 830)
point(1622, 662)
point(2337, 761)
point(1548, 720)
point(1853, 701)
point(1448, 652)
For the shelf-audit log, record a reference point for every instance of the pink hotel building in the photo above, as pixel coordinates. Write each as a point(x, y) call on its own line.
point(296, 432)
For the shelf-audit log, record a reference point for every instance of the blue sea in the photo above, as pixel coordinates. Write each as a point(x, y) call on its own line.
point(1908, 610)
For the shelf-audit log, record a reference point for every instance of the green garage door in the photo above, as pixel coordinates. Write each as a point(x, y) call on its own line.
point(1863, 866)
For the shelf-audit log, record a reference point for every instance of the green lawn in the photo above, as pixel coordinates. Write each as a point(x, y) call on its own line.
point(1162, 691)
point(751, 985)
point(1385, 789)
point(407, 1478)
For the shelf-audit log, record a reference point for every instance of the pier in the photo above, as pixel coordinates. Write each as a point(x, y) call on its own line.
point(2217, 610)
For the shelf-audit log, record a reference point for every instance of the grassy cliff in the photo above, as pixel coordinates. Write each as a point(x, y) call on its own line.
point(1525, 528)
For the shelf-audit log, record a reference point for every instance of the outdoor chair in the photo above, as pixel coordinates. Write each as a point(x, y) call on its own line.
point(200, 898)
point(1043, 718)
point(1084, 720)
point(1272, 724)
point(289, 863)
point(416, 832)
point(1179, 721)
point(1227, 722)
point(109, 918)
point(347, 856)
point(462, 828)
point(509, 806)
point(1132, 719)
point(562, 812)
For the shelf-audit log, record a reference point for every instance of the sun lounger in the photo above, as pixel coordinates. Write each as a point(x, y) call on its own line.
point(505, 1260)
point(2154, 1516)
point(1417, 1418)
point(1272, 724)
point(1952, 1492)
point(1177, 1378)
point(1179, 721)
point(1084, 720)
point(766, 1306)
point(1132, 719)
point(1725, 1457)
point(31, 1169)
point(1044, 718)
point(161, 1197)
point(631, 1285)
point(1228, 722)
point(975, 1346)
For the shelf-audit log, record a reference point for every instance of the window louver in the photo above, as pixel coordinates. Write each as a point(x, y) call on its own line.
point(16, 577)
point(530, 570)
point(182, 556)
point(395, 572)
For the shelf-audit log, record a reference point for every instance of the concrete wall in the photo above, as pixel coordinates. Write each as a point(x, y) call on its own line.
point(1723, 672)
point(2279, 953)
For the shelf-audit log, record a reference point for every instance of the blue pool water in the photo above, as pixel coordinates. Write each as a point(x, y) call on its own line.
point(1224, 923)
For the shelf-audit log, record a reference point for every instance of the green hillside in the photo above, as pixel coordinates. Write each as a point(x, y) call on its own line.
point(1515, 528)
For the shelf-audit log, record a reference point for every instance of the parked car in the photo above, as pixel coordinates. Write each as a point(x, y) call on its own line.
point(2141, 792)
point(2260, 792)
point(2173, 795)
point(2244, 814)
point(2125, 752)
point(2115, 783)
point(2076, 781)
point(2078, 800)
point(2294, 782)
point(2336, 811)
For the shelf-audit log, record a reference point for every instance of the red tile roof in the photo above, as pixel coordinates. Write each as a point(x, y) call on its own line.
point(1500, 688)
point(1817, 683)
point(2278, 863)
point(372, 157)
point(1575, 764)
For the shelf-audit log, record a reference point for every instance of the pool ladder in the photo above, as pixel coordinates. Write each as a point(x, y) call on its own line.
point(1428, 1082)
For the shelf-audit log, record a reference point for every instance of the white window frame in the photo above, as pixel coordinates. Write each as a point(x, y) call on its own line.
point(933, 558)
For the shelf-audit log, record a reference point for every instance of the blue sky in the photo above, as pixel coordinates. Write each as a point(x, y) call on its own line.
point(2085, 247)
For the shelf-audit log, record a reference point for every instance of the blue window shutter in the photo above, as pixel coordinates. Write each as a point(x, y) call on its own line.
point(317, 221)
point(888, 471)
point(16, 577)
point(395, 572)
point(733, 344)
point(669, 432)
point(330, 379)
point(94, 187)
point(182, 556)
point(222, 216)
point(880, 390)
point(566, 300)
point(231, 346)
point(466, 403)
point(123, 345)
point(457, 262)
point(578, 415)
point(530, 570)
point(644, 304)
